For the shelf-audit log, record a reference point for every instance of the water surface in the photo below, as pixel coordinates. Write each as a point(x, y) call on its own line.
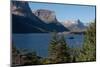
point(40, 42)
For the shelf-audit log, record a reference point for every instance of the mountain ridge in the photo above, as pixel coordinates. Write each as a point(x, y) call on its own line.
point(27, 22)
point(74, 25)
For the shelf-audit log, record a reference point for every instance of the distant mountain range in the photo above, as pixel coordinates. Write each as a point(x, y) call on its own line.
point(25, 20)
point(74, 25)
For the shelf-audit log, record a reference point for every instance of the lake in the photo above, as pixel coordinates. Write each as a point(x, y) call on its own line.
point(39, 42)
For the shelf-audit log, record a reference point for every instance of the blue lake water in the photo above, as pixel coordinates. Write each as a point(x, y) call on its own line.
point(40, 42)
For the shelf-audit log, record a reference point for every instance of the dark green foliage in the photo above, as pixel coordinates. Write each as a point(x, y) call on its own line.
point(74, 52)
point(88, 52)
point(24, 57)
point(58, 50)
point(31, 58)
point(63, 50)
point(52, 46)
point(45, 61)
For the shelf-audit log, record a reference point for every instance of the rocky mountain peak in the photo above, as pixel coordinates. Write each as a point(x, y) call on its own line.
point(42, 20)
point(74, 25)
point(20, 8)
point(47, 16)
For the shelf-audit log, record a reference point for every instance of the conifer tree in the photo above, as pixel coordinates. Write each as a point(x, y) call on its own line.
point(31, 58)
point(88, 53)
point(58, 50)
point(52, 48)
point(63, 51)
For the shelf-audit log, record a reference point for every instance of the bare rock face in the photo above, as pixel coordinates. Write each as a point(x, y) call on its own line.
point(24, 21)
point(46, 15)
point(74, 25)
point(20, 8)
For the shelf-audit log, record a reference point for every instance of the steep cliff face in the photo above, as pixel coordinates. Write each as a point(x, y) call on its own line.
point(21, 8)
point(46, 15)
point(24, 21)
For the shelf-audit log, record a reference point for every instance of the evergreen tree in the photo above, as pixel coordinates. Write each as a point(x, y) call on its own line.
point(31, 58)
point(74, 52)
point(88, 53)
point(63, 51)
point(58, 50)
point(52, 48)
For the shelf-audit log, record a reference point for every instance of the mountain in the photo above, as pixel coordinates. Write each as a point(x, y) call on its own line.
point(22, 24)
point(47, 16)
point(24, 21)
point(21, 8)
point(74, 25)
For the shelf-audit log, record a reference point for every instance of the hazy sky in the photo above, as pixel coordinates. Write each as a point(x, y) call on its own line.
point(68, 12)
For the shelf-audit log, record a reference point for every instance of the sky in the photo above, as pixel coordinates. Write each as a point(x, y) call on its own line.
point(67, 11)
